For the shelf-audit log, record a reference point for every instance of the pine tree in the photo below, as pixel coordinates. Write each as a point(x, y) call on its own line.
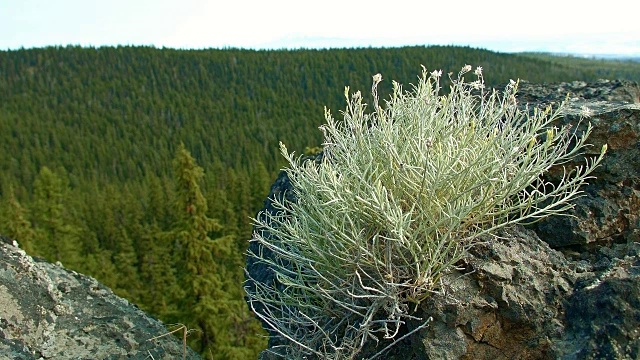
point(57, 238)
point(100, 266)
point(205, 305)
point(157, 274)
point(16, 225)
point(156, 208)
point(125, 259)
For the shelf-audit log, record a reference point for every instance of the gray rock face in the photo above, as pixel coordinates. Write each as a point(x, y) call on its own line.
point(48, 312)
point(565, 288)
point(603, 318)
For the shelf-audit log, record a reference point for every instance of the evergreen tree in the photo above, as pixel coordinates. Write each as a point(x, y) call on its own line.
point(125, 260)
point(202, 277)
point(100, 266)
point(90, 212)
point(161, 291)
point(128, 218)
point(16, 225)
point(157, 204)
point(57, 238)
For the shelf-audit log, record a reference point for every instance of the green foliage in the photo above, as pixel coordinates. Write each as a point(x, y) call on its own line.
point(16, 224)
point(199, 274)
point(208, 304)
point(106, 123)
point(118, 114)
point(57, 238)
point(158, 274)
point(400, 195)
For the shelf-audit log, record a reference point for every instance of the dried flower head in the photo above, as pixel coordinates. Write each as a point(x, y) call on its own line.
point(585, 111)
point(477, 84)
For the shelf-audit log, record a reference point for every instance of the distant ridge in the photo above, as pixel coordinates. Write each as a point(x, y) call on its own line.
point(592, 56)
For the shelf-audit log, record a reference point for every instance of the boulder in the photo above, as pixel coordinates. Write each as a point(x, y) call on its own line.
point(49, 312)
point(610, 210)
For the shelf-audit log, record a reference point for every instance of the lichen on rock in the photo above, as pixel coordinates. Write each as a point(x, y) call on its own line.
point(49, 312)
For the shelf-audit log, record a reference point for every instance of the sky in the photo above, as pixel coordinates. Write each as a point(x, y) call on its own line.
point(561, 26)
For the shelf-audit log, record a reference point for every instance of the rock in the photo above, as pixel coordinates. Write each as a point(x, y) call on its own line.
point(49, 312)
point(610, 210)
point(564, 288)
point(604, 91)
point(502, 304)
point(603, 317)
point(545, 309)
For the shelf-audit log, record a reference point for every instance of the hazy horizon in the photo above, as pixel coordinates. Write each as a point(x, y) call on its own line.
point(568, 27)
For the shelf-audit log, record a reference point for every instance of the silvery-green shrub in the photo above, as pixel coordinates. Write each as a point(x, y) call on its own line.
point(401, 192)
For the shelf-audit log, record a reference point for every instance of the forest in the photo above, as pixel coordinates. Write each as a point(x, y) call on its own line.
point(143, 167)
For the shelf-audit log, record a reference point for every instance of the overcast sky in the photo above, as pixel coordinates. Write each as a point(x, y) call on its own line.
point(568, 26)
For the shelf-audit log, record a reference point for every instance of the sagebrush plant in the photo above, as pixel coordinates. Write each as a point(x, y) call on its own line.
point(399, 196)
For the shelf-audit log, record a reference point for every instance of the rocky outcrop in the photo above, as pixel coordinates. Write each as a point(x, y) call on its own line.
point(516, 298)
point(565, 288)
point(610, 211)
point(49, 312)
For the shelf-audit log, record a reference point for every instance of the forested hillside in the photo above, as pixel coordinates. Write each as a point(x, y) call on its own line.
point(602, 68)
point(142, 166)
